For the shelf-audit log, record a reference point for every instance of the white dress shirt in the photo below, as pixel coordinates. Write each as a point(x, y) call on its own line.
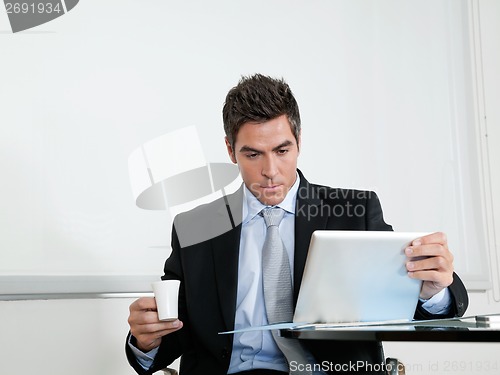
point(257, 349)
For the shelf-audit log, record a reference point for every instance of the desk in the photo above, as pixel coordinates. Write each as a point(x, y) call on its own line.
point(446, 330)
point(450, 330)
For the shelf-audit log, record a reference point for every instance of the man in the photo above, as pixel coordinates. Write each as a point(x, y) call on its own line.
point(222, 278)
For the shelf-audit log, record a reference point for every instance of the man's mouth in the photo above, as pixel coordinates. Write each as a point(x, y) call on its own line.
point(270, 186)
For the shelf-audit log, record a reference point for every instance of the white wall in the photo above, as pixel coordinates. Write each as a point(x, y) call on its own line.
point(384, 98)
point(86, 336)
point(63, 337)
point(474, 358)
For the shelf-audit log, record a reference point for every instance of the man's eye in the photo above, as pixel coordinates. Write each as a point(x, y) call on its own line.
point(252, 155)
point(282, 151)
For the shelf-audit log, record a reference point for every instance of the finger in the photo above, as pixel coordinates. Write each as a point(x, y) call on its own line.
point(143, 303)
point(438, 279)
point(427, 275)
point(156, 330)
point(161, 326)
point(431, 250)
point(170, 328)
point(440, 264)
point(142, 317)
point(437, 237)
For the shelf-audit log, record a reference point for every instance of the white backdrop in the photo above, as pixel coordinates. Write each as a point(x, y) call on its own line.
point(384, 91)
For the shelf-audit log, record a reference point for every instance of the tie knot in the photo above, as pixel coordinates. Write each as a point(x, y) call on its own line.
point(272, 215)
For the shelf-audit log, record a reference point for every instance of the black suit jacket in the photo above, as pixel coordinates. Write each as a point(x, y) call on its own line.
point(208, 271)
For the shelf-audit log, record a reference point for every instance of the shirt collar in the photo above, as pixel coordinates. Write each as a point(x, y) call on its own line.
point(252, 206)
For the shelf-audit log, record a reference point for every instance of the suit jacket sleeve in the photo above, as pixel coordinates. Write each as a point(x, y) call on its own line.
point(173, 344)
point(460, 301)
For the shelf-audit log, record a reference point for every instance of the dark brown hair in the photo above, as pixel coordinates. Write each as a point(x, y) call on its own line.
point(259, 98)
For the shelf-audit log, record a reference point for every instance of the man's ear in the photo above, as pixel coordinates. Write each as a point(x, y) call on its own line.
point(299, 140)
point(230, 151)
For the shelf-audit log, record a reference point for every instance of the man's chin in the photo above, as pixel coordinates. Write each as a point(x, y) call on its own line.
point(269, 196)
point(271, 200)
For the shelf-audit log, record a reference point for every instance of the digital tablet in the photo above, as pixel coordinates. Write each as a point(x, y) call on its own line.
point(357, 276)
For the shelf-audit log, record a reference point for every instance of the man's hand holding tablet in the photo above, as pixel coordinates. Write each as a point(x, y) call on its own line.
point(433, 263)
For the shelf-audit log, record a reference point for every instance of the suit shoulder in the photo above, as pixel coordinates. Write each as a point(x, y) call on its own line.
point(327, 193)
point(201, 211)
point(209, 220)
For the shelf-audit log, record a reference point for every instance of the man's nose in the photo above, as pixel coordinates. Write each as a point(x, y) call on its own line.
point(270, 167)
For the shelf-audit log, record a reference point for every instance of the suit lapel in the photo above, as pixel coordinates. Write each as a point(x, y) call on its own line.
point(225, 250)
point(308, 218)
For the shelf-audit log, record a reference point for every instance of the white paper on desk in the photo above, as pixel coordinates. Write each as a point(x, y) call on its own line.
point(387, 323)
point(269, 327)
point(338, 325)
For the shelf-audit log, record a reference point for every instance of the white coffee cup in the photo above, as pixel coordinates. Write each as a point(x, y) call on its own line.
point(167, 295)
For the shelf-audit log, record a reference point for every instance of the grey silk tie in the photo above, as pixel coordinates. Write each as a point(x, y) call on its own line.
point(278, 296)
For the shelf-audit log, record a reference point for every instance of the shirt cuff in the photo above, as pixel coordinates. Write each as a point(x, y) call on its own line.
point(439, 303)
point(144, 359)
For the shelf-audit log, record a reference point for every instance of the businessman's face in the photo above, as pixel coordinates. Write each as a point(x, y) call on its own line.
point(266, 154)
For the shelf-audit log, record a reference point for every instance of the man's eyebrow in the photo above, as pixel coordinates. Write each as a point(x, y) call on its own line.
point(283, 144)
point(251, 149)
